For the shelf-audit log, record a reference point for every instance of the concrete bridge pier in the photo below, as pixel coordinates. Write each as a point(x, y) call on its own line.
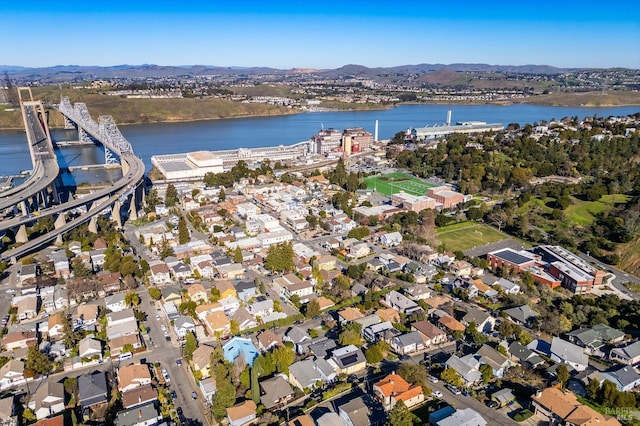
point(93, 224)
point(133, 210)
point(115, 213)
point(125, 167)
point(23, 208)
point(21, 236)
point(61, 220)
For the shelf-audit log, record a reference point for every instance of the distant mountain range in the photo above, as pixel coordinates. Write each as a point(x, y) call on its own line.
point(78, 72)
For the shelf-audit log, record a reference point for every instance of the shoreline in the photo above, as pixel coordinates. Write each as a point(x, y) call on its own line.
point(382, 108)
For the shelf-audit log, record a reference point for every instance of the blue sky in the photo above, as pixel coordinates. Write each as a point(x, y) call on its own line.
point(320, 34)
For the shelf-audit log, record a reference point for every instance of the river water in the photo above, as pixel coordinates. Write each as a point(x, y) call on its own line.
point(168, 138)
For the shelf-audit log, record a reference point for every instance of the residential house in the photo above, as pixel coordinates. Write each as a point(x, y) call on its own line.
point(562, 407)
point(388, 314)
point(171, 294)
point(568, 353)
point(86, 315)
point(8, 415)
point(391, 239)
point(92, 391)
point(407, 343)
point(382, 331)
point(208, 388)
point(115, 302)
point(90, 348)
point(358, 250)
point(132, 376)
point(97, 259)
point(451, 324)
point(19, 339)
point(296, 335)
point(463, 417)
point(27, 306)
point(467, 367)
point(201, 360)
point(261, 308)
point(348, 360)
point(28, 273)
point(245, 320)
point(498, 362)
point(431, 334)
point(226, 289)
point(143, 415)
point(48, 399)
point(482, 319)
point(181, 271)
point(304, 375)
point(355, 412)
point(121, 323)
point(275, 392)
point(12, 374)
point(625, 377)
point(320, 347)
point(367, 321)
point(197, 293)
point(240, 346)
point(245, 290)
point(183, 325)
point(503, 397)
point(349, 314)
point(111, 281)
point(324, 303)
point(55, 326)
point(524, 355)
point(242, 413)
point(401, 303)
point(522, 315)
point(595, 338)
point(629, 354)
point(394, 388)
point(117, 344)
point(301, 420)
point(217, 323)
point(418, 292)
point(507, 286)
point(460, 268)
point(267, 339)
point(160, 273)
point(53, 421)
point(325, 262)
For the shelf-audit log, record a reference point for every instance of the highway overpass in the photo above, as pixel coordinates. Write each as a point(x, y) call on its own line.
point(113, 197)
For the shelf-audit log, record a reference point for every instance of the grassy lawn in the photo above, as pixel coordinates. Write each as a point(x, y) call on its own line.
point(393, 183)
point(535, 202)
point(466, 235)
point(583, 212)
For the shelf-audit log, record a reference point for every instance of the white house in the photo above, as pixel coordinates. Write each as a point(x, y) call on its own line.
point(391, 239)
point(182, 325)
point(115, 303)
point(568, 353)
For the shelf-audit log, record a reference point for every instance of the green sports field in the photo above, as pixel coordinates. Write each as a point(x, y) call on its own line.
point(392, 183)
point(466, 235)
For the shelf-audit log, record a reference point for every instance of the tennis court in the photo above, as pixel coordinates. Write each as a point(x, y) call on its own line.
point(392, 183)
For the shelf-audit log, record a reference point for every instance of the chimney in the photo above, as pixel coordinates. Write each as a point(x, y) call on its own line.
point(139, 414)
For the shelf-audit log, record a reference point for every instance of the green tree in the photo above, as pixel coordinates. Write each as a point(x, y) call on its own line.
point(225, 395)
point(451, 376)
point(37, 361)
point(313, 309)
point(132, 299)
point(255, 386)
point(237, 255)
point(280, 258)
point(562, 374)
point(373, 353)
point(155, 293)
point(183, 232)
point(487, 373)
point(351, 335)
point(127, 347)
point(165, 249)
point(222, 195)
point(592, 388)
point(359, 233)
point(400, 415)
point(80, 270)
point(171, 196)
point(283, 357)
point(234, 327)
point(190, 345)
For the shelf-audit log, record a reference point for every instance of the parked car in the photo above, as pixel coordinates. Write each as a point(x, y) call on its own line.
point(492, 404)
point(194, 395)
point(454, 390)
point(433, 379)
point(404, 357)
point(178, 362)
point(173, 394)
point(437, 393)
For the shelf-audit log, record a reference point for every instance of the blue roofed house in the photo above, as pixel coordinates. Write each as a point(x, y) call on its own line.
point(240, 346)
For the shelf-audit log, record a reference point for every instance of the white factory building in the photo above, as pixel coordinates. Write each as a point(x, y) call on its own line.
point(193, 165)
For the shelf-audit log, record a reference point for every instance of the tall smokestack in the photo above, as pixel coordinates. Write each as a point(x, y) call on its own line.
point(449, 118)
point(375, 136)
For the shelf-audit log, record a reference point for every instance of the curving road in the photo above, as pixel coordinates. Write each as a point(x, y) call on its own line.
point(45, 168)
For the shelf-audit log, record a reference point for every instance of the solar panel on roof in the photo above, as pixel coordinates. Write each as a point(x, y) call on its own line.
point(512, 257)
point(348, 360)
